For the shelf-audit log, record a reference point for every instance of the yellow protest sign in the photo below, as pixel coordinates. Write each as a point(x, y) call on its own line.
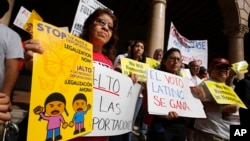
point(240, 67)
point(62, 86)
point(28, 26)
point(224, 94)
point(152, 62)
point(130, 66)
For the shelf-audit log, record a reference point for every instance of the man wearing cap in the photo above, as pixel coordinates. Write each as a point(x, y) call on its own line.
point(214, 128)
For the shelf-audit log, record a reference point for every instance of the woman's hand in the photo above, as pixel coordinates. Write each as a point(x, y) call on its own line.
point(30, 47)
point(198, 92)
point(171, 115)
point(133, 77)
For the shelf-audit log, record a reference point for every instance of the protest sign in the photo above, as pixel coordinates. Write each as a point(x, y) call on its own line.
point(224, 94)
point(62, 86)
point(25, 18)
point(115, 98)
point(190, 49)
point(130, 66)
point(84, 9)
point(152, 62)
point(22, 17)
point(240, 67)
point(185, 73)
point(168, 92)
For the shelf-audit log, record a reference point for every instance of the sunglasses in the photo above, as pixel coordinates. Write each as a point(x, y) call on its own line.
point(222, 67)
point(103, 22)
point(173, 59)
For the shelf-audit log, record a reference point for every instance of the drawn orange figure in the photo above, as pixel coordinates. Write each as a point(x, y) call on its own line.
point(54, 106)
point(81, 108)
point(29, 28)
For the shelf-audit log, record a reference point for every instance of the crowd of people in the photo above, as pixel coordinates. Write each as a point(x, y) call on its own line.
point(100, 29)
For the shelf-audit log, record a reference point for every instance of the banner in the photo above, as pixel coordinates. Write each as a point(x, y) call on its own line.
point(168, 92)
point(115, 98)
point(62, 86)
point(84, 9)
point(190, 49)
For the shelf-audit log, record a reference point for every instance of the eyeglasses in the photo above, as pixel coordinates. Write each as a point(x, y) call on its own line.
point(173, 59)
point(222, 67)
point(103, 22)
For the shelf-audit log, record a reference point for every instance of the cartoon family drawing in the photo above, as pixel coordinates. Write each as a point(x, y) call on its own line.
point(54, 107)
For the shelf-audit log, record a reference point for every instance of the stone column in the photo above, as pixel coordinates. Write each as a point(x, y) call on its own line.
point(155, 38)
point(236, 44)
point(6, 19)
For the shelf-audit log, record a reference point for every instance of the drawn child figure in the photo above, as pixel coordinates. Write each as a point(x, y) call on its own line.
point(29, 28)
point(54, 106)
point(81, 108)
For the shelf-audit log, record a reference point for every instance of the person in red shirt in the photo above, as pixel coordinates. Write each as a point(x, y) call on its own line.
point(100, 29)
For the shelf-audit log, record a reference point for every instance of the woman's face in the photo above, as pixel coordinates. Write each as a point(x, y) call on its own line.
point(220, 73)
point(101, 31)
point(173, 62)
point(138, 50)
point(159, 55)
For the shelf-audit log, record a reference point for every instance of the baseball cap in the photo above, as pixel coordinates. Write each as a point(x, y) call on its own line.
point(220, 62)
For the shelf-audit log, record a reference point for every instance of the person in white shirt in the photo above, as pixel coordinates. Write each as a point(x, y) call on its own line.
point(194, 67)
point(117, 62)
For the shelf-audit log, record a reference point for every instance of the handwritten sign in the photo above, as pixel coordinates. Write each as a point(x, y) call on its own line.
point(115, 98)
point(22, 17)
point(130, 66)
point(190, 49)
point(62, 86)
point(224, 94)
point(84, 9)
point(168, 92)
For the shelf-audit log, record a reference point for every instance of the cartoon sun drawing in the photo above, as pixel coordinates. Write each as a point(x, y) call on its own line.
point(54, 106)
point(81, 108)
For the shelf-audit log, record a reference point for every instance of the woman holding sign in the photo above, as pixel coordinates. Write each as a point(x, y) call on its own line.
point(170, 127)
point(137, 53)
point(100, 29)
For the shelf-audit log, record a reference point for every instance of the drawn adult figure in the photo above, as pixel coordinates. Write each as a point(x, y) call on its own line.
point(54, 106)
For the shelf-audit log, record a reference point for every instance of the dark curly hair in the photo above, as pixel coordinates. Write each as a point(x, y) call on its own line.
point(109, 48)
